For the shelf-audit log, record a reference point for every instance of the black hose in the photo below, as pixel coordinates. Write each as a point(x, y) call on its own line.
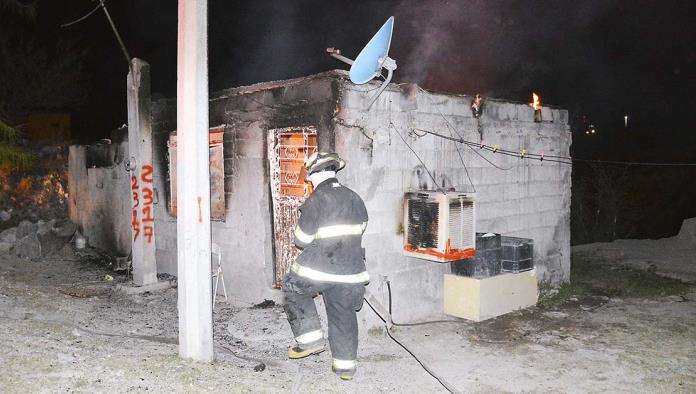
point(425, 367)
point(411, 324)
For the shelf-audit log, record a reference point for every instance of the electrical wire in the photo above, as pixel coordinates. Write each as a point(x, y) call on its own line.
point(102, 5)
point(439, 379)
point(118, 36)
point(81, 18)
point(466, 170)
point(495, 149)
point(452, 129)
point(422, 323)
point(553, 158)
point(392, 125)
point(535, 156)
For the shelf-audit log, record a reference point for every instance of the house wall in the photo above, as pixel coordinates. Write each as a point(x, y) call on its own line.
point(525, 198)
point(245, 236)
point(98, 199)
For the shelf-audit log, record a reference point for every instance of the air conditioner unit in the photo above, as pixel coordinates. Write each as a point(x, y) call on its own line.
point(439, 226)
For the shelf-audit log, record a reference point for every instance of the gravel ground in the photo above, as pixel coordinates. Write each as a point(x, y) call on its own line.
point(65, 329)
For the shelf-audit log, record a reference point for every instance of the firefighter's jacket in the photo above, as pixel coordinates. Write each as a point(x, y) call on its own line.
point(332, 221)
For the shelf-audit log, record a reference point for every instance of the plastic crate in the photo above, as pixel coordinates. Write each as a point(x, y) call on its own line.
point(486, 263)
point(517, 254)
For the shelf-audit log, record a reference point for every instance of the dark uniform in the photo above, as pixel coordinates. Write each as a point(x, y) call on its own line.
point(332, 221)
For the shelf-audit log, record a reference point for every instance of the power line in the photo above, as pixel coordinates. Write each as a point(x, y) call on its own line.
point(552, 158)
point(452, 129)
point(392, 125)
point(494, 149)
point(535, 156)
point(102, 5)
point(80, 19)
point(118, 36)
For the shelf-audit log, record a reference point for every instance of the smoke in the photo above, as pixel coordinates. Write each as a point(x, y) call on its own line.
point(433, 37)
point(492, 47)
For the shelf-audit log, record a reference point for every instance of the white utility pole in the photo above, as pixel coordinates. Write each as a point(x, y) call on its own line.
point(140, 167)
point(193, 181)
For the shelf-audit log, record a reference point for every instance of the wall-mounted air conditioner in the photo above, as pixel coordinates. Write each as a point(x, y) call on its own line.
point(439, 226)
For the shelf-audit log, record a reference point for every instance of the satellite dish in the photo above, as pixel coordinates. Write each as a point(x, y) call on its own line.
point(371, 60)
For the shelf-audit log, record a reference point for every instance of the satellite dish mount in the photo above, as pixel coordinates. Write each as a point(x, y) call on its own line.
point(370, 61)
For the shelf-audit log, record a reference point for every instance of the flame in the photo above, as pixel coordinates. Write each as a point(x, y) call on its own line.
point(536, 101)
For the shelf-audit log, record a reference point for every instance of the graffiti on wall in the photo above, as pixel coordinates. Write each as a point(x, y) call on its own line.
point(143, 211)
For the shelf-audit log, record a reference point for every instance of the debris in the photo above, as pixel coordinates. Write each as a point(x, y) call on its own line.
point(25, 228)
point(555, 314)
point(5, 215)
point(108, 278)
point(80, 241)
point(260, 367)
point(121, 263)
point(7, 239)
point(40, 239)
point(53, 235)
point(264, 305)
point(27, 246)
point(676, 298)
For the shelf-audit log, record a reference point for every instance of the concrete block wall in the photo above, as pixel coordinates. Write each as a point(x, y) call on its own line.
point(98, 201)
point(522, 198)
point(519, 197)
point(245, 236)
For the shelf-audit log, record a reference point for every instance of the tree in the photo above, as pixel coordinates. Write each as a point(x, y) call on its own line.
point(38, 70)
point(10, 154)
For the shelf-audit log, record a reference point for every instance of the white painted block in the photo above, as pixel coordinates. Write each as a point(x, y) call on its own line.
point(482, 299)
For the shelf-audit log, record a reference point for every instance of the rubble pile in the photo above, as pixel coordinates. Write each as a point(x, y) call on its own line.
point(33, 241)
point(36, 194)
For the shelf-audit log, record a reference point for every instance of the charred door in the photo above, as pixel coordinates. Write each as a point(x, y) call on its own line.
point(287, 150)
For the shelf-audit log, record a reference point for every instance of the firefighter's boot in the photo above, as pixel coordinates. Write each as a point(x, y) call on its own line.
point(345, 369)
point(304, 350)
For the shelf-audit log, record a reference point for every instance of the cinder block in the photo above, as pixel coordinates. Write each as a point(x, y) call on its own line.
point(385, 202)
point(254, 130)
point(251, 148)
point(482, 299)
point(562, 116)
point(490, 193)
point(546, 188)
point(385, 222)
point(392, 182)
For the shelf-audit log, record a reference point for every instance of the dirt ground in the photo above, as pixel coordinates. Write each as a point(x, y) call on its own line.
point(63, 328)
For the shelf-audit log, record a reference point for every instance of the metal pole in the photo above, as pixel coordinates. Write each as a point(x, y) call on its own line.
point(193, 178)
point(118, 36)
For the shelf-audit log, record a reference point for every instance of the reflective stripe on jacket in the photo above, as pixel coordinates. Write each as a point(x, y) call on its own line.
point(332, 221)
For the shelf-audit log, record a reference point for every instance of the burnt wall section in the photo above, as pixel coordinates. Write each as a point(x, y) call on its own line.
point(518, 197)
point(247, 113)
point(98, 199)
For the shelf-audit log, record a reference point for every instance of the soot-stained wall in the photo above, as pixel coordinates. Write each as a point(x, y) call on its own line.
point(519, 197)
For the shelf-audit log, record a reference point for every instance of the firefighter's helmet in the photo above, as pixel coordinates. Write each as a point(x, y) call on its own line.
point(323, 161)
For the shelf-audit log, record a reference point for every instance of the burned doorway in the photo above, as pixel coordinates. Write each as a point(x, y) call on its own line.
point(287, 150)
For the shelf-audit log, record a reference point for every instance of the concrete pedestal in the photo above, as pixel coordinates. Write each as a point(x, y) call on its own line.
point(482, 299)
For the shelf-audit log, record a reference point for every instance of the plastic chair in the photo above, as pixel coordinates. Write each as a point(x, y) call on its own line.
point(215, 253)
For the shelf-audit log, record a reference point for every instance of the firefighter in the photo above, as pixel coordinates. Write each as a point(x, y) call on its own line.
point(332, 262)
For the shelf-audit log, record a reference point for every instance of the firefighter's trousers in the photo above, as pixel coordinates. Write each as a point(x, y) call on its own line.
point(342, 300)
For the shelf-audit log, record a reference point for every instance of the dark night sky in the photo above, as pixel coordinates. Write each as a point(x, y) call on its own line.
point(601, 59)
